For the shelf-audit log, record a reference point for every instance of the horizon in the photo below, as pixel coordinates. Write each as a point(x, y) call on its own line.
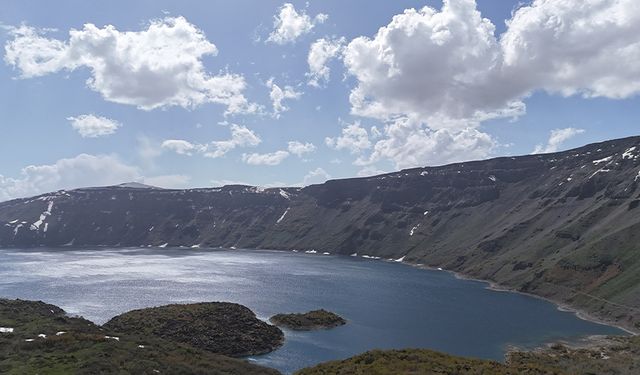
point(143, 185)
point(288, 98)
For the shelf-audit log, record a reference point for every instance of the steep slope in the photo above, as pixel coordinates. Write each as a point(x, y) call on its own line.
point(565, 226)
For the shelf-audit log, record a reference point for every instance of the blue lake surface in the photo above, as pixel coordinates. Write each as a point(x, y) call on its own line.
point(387, 304)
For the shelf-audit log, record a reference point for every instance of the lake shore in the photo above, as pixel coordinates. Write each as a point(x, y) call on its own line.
point(562, 306)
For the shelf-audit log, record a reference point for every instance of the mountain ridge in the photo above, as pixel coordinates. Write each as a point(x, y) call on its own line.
point(564, 226)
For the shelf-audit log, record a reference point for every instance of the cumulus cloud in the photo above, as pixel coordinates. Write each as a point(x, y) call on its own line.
point(270, 159)
point(81, 171)
point(322, 51)
point(316, 176)
point(289, 25)
point(569, 47)
point(241, 136)
point(182, 147)
point(408, 143)
point(153, 68)
point(436, 75)
point(278, 95)
point(557, 139)
point(91, 126)
point(300, 149)
point(354, 138)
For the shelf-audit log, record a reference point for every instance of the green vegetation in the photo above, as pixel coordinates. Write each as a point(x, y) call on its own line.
point(603, 355)
point(77, 346)
point(218, 327)
point(317, 319)
point(423, 362)
point(599, 356)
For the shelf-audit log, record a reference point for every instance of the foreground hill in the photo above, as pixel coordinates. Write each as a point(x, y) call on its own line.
point(565, 226)
point(38, 338)
point(615, 355)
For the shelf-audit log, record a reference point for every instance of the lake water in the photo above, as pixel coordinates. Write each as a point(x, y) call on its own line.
point(387, 305)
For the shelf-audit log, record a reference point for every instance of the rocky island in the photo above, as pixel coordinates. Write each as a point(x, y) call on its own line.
point(312, 320)
point(218, 327)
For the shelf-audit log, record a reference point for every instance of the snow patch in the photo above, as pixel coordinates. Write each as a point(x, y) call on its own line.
point(425, 213)
point(492, 178)
point(629, 154)
point(604, 160)
point(414, 229)
point(601, 170)
point(370, 257)
point(285, 195)
point(354, 254)
point(42, 336)
point(401, 259)
point(60, 333)
point(326, 253)
point(43, 217)
point(283, 215)
point(311, 252)
point(112, 338)
point(424, 173)
point(6, 330)
point(164, 245)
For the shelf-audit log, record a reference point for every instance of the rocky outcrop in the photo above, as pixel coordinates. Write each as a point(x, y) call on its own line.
point(217, 327)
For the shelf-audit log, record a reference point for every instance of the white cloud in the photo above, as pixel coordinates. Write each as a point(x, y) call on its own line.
point(289, 25)
point(322, 51)
point(182, 147)
point(157, 67)
point(354, 138)
point(557, 139)
point(80, 171)
point(435, 75)
point(278, 95)
point(370, 171)
point(300, 149)
point(316, 176)
point(171, 181)
point(588, 47)
point(91, 126)
point(428, 64)
point(271, 159)
point(83, 170)
point(241, 136)
point(407, 143)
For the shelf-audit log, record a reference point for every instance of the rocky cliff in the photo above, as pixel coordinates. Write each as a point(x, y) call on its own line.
point(565, 226)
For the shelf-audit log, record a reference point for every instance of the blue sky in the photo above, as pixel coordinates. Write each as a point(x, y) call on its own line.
point(439, 85)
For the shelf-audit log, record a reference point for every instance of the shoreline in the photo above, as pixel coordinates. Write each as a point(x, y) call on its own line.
point(561, 306)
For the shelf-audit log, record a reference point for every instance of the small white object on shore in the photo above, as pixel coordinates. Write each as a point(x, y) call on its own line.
point(42, 336)
point(60, 333)
point(6, 330)
point(112, 338)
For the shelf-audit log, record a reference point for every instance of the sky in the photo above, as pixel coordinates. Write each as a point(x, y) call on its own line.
point(208, 92)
